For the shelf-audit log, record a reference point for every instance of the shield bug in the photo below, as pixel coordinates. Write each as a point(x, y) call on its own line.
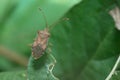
point(40, 43)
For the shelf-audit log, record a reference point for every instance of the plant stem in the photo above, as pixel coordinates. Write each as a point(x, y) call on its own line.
point(13, 56)
point(113, 70)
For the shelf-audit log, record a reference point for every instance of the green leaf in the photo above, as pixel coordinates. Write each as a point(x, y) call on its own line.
point(15, 75)
point(116, 76)
point(82, 46)
point(86, 47)
point(41, 69)
point(114, 70)
point(107, 4)
point(118, 3)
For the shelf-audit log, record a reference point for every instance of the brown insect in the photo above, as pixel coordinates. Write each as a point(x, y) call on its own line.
point(40, 44)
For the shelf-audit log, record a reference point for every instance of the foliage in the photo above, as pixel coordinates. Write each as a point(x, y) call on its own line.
point(85, 47)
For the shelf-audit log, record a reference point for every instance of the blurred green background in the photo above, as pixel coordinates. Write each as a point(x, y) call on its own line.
point(86, 47)
point(19, 22)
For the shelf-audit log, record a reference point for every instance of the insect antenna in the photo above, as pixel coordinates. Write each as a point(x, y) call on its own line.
point(57, 22)
point(46, 23)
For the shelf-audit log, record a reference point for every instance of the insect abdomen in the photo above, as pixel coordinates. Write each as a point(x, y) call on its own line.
point(37, 51)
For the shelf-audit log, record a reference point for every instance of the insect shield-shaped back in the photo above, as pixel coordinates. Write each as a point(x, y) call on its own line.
point(40, 43)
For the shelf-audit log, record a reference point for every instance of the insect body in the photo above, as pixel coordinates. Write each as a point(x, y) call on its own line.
point(40, 44)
